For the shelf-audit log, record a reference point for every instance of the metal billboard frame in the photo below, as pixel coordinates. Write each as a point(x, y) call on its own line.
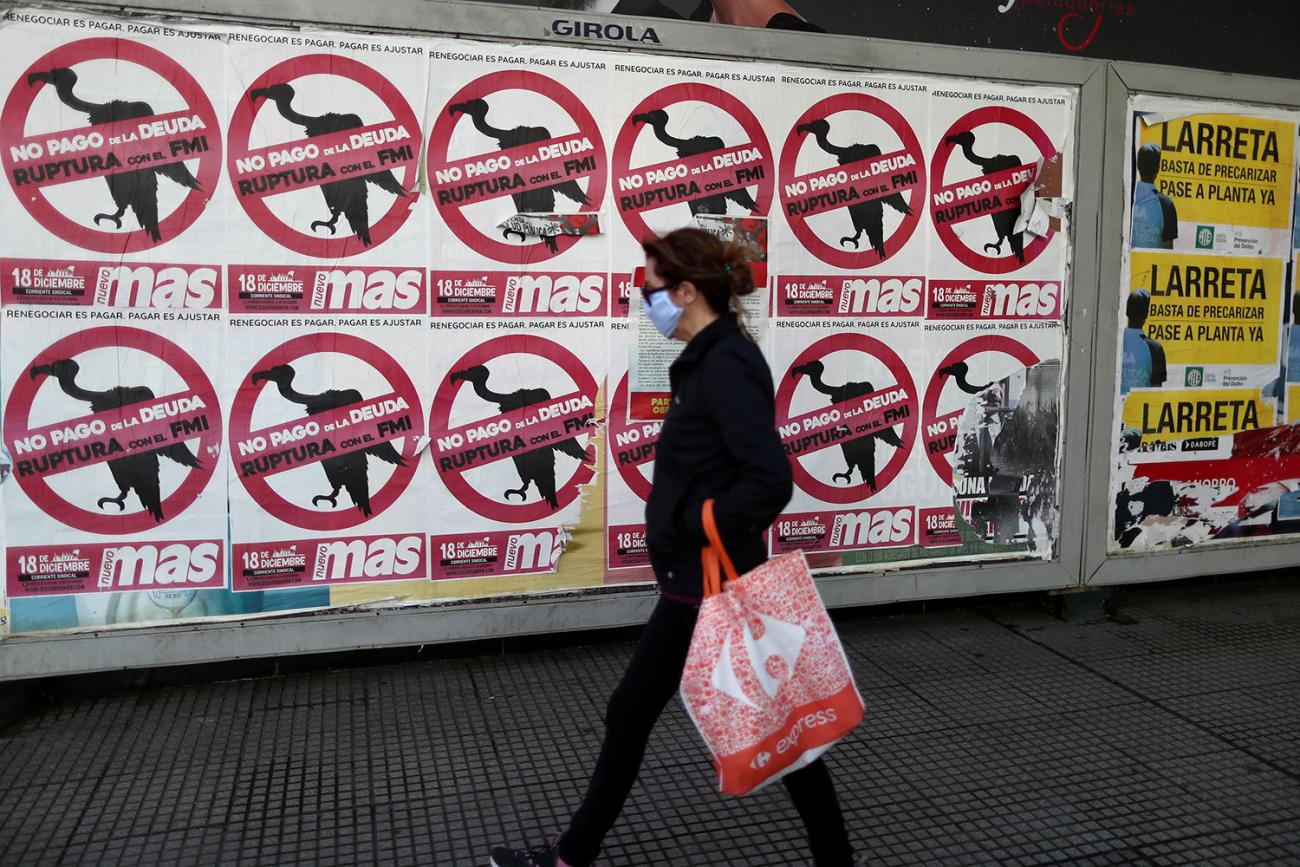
point(1100, 568)
point(52, 654)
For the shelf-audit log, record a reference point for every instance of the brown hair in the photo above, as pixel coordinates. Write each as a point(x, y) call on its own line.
point(719, 270)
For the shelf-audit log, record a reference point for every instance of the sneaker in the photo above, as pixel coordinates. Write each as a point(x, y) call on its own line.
point(546, 855)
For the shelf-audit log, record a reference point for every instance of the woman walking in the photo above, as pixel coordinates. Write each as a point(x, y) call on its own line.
point(718, 442)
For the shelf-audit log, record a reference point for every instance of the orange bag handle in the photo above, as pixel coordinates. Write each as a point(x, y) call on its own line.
point(714, 557)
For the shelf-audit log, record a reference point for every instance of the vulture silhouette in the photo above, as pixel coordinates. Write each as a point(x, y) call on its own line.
point(1004, 222)
point(540, 200)
point(136, 189)
point(347, 196)
point(958, 370)
point(689, 147)
point(859, 453)
point(535, 467)
point(341, 471)
point(137, 472)
point(867, 216)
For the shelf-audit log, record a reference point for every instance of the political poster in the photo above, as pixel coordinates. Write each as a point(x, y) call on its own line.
point(649, 355)
point(1217, 181)
point(1000, 162)
point(116, 429)
point(1200, 323)
point(323, 148)
point(1203, 366)
point(968, 367)
point(852, 177)
point(692, 147)
point(518, 172)
point(111, 140)
point(514, 415)
point(849, 416)
point(629, 458)
point(1290, 373)
point(327, 422)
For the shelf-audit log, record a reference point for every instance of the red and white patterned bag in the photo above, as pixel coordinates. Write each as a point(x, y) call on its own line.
point(766, 680)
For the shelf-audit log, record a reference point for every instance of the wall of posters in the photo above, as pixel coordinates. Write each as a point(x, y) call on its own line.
point(313, 320)
point(1204, 450)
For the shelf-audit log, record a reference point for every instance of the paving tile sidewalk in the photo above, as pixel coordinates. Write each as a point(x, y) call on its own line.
point(996, 735)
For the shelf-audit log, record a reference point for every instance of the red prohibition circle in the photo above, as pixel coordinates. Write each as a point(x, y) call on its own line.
point(850, 342)
point(241, 415)
point(993, 114)
point(121, 337)
point(440, 141)
point(632, 475)
point(812, 242)
point(13, 121)
point(241, 128)
point(692, 92)
point(440, 419)
point(961, 352)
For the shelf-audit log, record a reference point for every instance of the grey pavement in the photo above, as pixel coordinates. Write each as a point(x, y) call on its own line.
point(995, 734)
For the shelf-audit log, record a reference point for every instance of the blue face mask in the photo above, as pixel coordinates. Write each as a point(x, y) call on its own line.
point(663, 312)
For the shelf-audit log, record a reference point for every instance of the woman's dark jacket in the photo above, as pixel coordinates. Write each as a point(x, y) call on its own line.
point(718, 440)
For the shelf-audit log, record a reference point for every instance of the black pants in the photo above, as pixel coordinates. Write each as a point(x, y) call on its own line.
point(652, 678)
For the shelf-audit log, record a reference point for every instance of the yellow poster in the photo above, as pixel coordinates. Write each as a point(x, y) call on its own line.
point(1178, 414)
point(1226, 168)
point(1213, 182)
point(1291, 343)
point(1208, 309)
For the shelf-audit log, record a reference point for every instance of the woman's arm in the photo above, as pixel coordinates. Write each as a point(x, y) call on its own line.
point(744, 407)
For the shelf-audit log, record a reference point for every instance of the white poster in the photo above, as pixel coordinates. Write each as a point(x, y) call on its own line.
point(327, 422)
point(1001, 168)
point(852, 189)
point(112, 142)
point(518, 173)
point(324, 148)
point(515, 409)
point(115, 426)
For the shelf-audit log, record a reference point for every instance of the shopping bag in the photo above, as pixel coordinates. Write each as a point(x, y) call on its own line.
point(766, 680)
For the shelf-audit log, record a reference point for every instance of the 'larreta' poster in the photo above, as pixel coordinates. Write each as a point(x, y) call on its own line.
point(1290, 373)
point(1204, 356)
point(1207, 181)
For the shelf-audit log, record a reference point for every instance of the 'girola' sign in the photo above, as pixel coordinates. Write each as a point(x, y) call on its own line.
point(607, 32)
